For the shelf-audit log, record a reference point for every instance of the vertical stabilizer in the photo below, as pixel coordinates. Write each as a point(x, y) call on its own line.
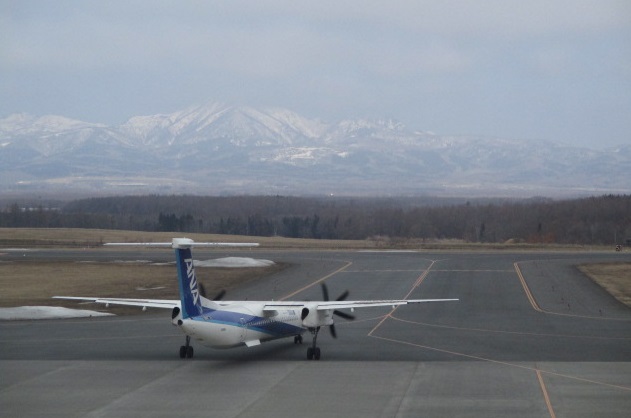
point(190, 297)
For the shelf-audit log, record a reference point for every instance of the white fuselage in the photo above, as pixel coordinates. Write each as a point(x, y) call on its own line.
point(245, 323)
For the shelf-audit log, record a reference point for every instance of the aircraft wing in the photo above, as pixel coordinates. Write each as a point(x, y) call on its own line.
point(269, 306)
point(144, 303)
point(349, 304)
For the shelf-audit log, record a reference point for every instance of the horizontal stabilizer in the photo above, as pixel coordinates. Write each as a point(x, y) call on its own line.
point(182, 243)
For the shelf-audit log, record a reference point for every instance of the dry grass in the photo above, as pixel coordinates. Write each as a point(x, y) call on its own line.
point(615, 278)
point(47, 237)
point(69, 237)
point(34, 283)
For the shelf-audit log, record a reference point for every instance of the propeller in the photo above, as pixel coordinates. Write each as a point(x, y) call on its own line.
point(218, 296)
point(201, 289)
point(343, 296)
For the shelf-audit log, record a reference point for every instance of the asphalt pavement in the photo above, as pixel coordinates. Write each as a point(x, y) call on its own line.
point(531, 336)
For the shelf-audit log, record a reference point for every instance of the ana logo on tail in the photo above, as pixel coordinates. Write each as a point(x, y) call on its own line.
point(190, 274)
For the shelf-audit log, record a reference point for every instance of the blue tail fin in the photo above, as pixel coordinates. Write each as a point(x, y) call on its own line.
point(190, 298)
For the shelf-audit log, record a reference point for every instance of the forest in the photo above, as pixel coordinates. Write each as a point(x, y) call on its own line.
point(598, 220)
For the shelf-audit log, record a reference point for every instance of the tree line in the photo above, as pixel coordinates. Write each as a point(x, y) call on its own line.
point(593, 220)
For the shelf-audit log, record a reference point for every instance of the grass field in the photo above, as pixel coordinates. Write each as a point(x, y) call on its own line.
point(40, 237)
point(49, 237)
point(34, 283)
point(615, 278)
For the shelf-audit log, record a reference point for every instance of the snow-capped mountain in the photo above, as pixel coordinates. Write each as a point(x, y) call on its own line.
point(218, 148)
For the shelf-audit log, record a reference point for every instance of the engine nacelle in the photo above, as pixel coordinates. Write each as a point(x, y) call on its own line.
point(312, 318)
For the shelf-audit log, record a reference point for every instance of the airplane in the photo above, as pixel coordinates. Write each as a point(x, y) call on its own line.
point(225, 324)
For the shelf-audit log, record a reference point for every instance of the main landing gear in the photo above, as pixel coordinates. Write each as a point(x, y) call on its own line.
point(313, 352)
point(186, 351)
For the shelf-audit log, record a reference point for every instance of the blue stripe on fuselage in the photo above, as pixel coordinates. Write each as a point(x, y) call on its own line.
point(268, 326)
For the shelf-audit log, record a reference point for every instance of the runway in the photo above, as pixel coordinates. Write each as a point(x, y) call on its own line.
point(530, 337)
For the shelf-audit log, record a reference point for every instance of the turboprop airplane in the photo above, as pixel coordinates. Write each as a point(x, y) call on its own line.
point(225, 324)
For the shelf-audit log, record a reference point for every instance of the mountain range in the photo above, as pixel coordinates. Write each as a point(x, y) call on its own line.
point(221, 149)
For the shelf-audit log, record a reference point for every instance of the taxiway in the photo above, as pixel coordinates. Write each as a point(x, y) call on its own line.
point(531, 336)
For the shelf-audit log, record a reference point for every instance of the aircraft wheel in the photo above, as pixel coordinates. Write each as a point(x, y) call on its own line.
point(316, 353)
point(182, 351)
point(189, 352)
point(310, 353)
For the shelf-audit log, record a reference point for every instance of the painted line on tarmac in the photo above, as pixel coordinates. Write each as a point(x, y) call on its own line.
point(320, 280)
point(505, 363)
point(529, 295)
point(416, 284)
point(420, 279)
point(545, 394)
point(531, 334)
point(536, 307)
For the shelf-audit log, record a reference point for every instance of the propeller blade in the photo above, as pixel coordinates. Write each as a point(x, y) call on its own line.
point(202, 289)
point(325, 293)
point(220, 295)
point(333, 333)
point(343, 296)
point(344, 315)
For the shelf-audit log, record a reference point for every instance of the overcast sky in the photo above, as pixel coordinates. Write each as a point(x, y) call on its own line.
point(556, 70)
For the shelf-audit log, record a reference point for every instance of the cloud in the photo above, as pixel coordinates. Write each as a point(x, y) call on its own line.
point(330, 59)
point(274, 35)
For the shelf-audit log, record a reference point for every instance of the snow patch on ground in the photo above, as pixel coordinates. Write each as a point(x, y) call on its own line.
point(45, 312)
point(234, 262)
